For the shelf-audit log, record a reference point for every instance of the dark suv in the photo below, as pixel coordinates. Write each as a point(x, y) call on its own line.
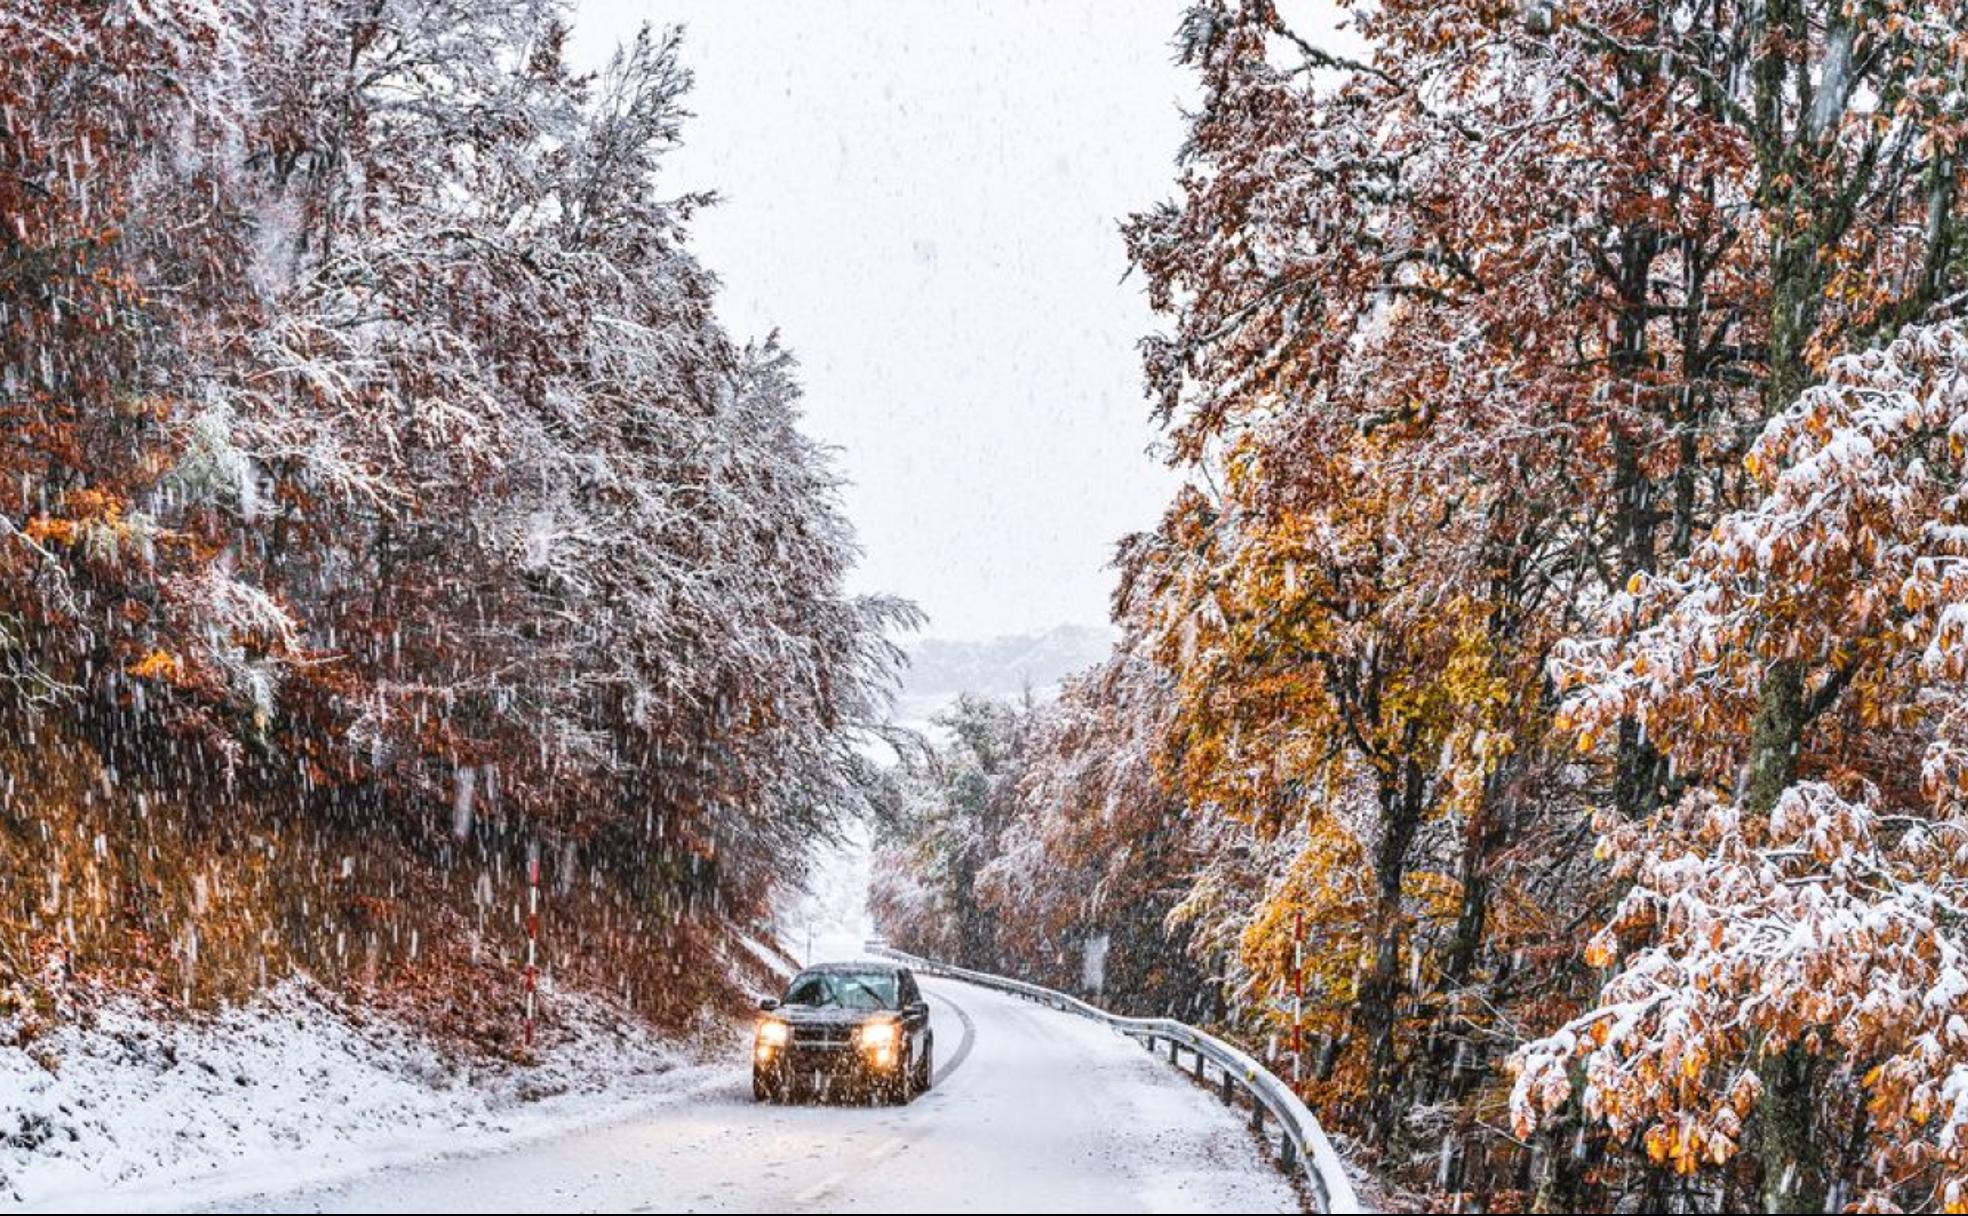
point(859, 1029)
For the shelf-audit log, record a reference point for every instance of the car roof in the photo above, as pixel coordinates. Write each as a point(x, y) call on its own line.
point(862, 968)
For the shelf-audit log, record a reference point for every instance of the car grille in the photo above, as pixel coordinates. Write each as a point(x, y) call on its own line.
point(823, 1036)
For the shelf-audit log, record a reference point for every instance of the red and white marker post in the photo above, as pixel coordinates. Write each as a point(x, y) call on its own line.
point(532, 937)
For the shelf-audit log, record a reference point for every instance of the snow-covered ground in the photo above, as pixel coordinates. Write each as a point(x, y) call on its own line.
point(1034, 1110)
point(134, 1112)
point(289, 1104)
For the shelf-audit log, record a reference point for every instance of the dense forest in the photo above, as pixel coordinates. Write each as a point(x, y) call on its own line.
point(1543, 706)
point(1539, 724)
point(383, 513)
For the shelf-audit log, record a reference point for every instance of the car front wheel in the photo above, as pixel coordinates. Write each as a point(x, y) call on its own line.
point(765, 1087)
point(925, 1066)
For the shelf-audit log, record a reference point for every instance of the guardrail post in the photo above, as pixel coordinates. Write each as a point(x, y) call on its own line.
point(1288, 1154)
point(1257, 1114)
point(1199, 1066)
point(1229, 1089)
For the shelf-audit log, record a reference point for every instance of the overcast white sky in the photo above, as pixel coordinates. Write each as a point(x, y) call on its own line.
point(924, 199)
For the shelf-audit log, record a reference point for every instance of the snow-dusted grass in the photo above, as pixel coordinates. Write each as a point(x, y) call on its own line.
point(129, 1110)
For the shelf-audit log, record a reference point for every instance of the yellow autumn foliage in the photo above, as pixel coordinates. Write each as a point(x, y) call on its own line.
point(157, 665)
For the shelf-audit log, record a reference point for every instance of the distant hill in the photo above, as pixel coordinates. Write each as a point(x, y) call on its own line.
point(1003, 667)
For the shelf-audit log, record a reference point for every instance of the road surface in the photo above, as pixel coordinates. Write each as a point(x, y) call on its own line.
point(1032, 1110)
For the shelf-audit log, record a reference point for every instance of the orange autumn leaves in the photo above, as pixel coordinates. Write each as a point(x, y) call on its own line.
point(1515, 529)
point(1833, 919)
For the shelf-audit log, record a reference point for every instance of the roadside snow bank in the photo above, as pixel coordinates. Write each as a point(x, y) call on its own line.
point(293, 1089)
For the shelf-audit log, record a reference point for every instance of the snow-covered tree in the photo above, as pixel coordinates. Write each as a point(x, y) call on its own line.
point(377, 463)
point(1463, 336)
point(1792, 947)
point(958, 799)
point(1094, 859)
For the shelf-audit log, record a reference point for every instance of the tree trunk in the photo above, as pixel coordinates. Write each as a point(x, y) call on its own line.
point(1799, 204)
point(1562, 1156)
point(1479, 836)
point(1793, 1172)
point(1793, 1168)
point(1400, 803)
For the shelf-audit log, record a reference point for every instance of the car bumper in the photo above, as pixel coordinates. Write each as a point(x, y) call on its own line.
point(828, 1065)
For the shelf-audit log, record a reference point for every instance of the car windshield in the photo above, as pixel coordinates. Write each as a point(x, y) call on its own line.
point(843, 990)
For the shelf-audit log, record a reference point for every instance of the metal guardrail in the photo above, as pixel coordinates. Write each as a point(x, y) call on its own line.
point(1303, 1147)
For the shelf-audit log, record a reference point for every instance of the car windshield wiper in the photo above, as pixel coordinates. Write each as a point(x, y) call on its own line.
point(881, 1002)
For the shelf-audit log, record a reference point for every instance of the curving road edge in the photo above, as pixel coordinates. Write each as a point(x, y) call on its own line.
point(1303, 1143)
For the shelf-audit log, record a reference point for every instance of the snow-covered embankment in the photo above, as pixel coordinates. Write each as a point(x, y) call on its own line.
point(123, 1109)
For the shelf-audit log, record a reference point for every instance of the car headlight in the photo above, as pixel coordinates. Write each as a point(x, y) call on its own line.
point(773, 1033)
point(878, 1035)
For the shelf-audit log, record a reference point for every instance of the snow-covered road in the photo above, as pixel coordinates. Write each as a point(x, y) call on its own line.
point(1033, 1110)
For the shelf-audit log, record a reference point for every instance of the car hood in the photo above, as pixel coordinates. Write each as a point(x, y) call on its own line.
point(810, 1015)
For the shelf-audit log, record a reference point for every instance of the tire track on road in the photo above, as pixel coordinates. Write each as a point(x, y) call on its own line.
point(963, 1049)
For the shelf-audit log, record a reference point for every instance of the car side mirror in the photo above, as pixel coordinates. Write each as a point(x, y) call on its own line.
point(917, 1009)
point(768, 1005)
